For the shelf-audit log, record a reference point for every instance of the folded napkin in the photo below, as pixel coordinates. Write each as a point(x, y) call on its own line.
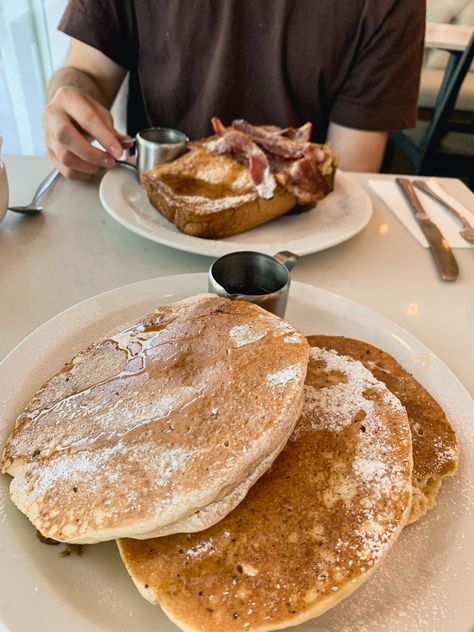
point(390, 193)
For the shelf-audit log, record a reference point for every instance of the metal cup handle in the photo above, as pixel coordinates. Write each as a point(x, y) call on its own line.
point(127, 146)
point(287, 258)
point(128, 143)
point(124, 163)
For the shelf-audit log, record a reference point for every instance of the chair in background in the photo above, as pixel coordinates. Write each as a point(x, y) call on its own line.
point(442, 146)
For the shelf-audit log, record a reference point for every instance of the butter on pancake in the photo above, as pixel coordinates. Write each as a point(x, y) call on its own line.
point(435, 446)
point(313, 527)
point(161, 426)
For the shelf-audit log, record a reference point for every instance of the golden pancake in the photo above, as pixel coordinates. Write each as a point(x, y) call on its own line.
point(313, 527)
point(160, 427)
point(435, 446)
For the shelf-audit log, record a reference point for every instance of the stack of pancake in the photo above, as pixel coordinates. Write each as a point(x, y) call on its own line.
point(252, 480)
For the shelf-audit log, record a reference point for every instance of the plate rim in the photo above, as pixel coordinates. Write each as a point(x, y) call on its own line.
point(219, 247)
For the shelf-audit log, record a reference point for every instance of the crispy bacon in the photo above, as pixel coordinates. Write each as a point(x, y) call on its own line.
point(315, 153)
point(271, 142)
point(304, 171)
point(302, 133)
point(218, 126)
point(275, 154)
point(301, 178)
point(306, 183)
point(241, 144)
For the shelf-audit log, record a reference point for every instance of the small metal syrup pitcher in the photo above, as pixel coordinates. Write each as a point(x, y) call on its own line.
point(254, 277)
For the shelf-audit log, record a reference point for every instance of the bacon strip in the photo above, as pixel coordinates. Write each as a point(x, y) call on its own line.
point(271, 142)
point(275, 154)
point(301, 178)
point(302, 133)
point(259, 167)
point(218, 126)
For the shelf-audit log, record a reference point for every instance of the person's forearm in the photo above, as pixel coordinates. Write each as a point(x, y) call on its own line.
point(74, 78)
point(358, 150)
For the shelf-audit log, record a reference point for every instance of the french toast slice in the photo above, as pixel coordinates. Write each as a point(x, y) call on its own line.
point(211, 195)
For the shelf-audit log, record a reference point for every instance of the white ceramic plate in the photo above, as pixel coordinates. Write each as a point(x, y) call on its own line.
point(337, 218)
point(426, 583)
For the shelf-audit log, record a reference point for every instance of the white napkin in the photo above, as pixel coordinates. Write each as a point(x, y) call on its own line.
point(390, 193)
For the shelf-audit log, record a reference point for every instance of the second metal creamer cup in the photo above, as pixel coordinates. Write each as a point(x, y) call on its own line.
point(254, 277)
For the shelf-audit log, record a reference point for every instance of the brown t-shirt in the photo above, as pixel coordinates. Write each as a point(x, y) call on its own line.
point(281, 62)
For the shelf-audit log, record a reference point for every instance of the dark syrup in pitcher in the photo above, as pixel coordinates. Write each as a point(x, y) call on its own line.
point(249, 290)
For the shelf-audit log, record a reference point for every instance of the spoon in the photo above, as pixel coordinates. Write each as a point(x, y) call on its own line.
point(32, 208)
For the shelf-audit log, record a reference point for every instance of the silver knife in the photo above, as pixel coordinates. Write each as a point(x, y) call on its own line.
point(442, 253)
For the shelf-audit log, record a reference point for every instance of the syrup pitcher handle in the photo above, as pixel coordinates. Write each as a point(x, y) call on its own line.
point(287, 258)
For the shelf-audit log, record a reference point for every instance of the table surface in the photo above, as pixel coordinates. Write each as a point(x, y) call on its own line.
point(74, 250)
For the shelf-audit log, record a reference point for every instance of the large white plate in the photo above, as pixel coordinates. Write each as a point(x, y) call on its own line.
point(426, 583)
point(337, 218)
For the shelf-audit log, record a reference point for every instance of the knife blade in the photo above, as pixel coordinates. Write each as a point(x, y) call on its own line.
point(442, 253)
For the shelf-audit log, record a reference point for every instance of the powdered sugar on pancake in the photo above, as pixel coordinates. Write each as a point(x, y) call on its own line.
point(109, 463)
point(139, 432)
point(111, 419)
point(444, 453)
point(347, 400)
point(296, 337)
point(200, 549)
point(311, 530)
point(245, 334)
point(370, 469)
point(339, 403)
point(282, 377)
point(284, 328)
point(338, 407)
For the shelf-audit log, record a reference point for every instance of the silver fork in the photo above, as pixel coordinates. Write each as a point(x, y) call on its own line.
point(467, 231)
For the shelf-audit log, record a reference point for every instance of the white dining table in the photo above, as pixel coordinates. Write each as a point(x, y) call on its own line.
point(75, 250)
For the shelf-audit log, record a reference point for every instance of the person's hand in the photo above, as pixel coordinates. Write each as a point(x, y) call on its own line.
point(70, 118)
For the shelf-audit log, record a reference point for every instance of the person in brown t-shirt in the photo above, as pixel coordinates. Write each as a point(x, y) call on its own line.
point(351, 68)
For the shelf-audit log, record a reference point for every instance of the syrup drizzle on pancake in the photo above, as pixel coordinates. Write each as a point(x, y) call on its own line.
point(138, 342)
point(139, 433)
